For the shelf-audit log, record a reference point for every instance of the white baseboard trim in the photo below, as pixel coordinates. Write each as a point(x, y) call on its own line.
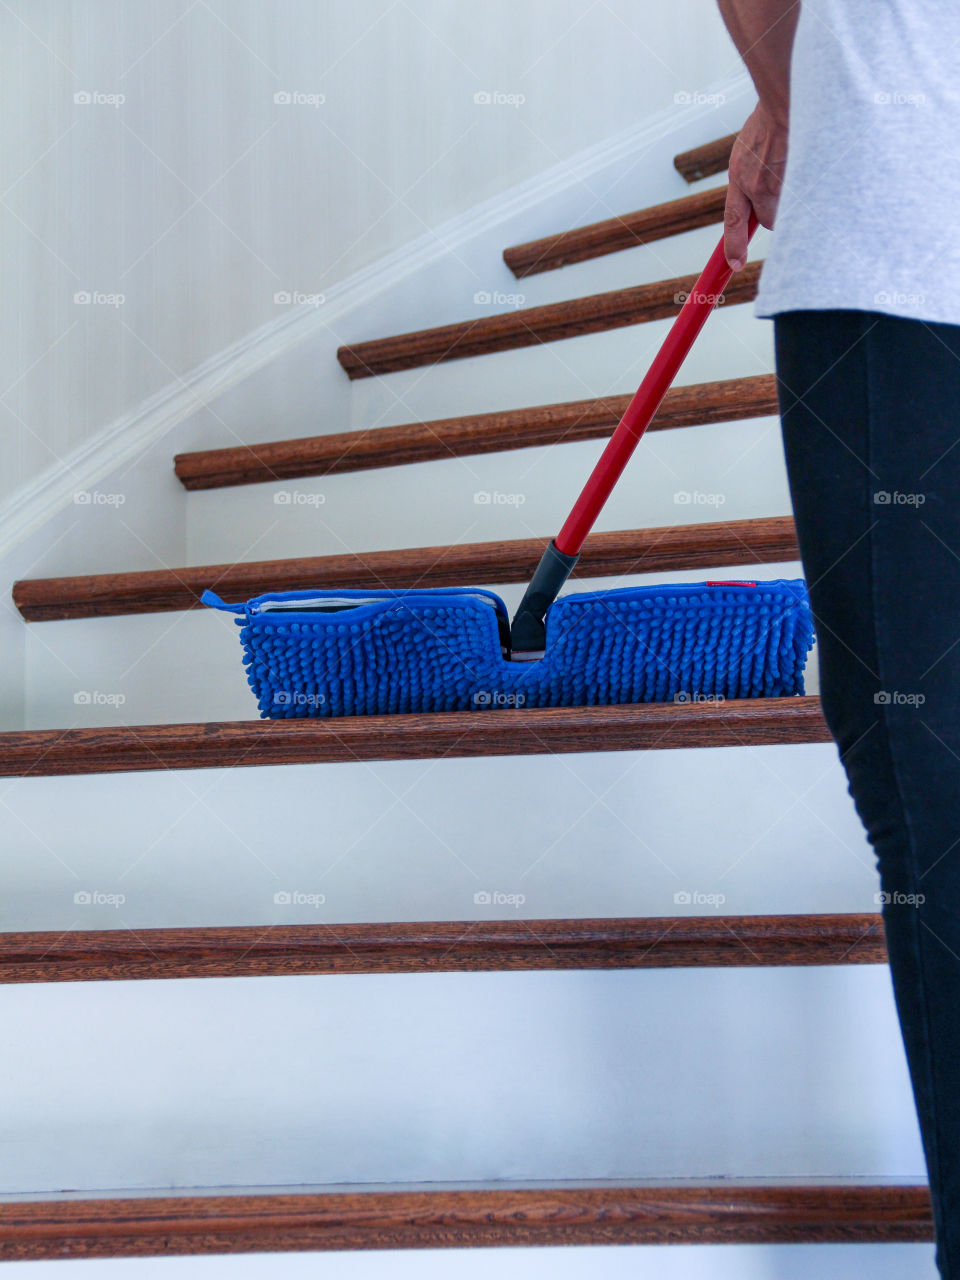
point(117, 444)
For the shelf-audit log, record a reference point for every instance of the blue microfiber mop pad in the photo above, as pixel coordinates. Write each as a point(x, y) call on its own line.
point(347, 653)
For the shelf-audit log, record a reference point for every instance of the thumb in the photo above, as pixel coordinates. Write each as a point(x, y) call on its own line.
point(736, 216)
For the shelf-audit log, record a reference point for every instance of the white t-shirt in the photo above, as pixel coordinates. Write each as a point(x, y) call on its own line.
point(869, 214)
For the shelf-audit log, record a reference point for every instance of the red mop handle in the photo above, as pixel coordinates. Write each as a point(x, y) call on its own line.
point(704, 296)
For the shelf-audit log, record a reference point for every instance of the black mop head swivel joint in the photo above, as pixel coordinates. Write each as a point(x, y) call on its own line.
point(528, 631)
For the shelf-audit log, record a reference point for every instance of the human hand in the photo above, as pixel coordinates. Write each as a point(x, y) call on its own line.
point(757, 163)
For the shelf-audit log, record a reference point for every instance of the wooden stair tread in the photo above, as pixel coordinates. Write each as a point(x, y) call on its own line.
point(614, 234)
point(441, 947)
point(728, 400)
point(453, 734)
point(767, 540)
point(724, 1210)
point(703, 162)
point(530, 326)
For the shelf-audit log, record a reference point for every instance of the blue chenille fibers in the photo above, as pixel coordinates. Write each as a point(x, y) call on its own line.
point(439, 650)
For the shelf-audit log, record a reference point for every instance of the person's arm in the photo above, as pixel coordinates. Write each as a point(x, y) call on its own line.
point(763, 32)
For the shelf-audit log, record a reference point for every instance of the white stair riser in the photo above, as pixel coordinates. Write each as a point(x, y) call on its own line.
point(676, 1073)
point(739, 830)
point(716, 472)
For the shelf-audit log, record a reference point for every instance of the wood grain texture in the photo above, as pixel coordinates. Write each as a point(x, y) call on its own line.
point(614, 234)
point(726, 1211)
point(442, 947)
point(703, 162)
point(770, 540)
point(700, 403)
point(527, 327)
point(511, 731)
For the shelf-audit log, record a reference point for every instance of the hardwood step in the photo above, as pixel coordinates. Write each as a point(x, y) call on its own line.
point(613, 234)
point(727, 1210)
point(455, 734)
point(697, 404)
point(770, 540)
point(527, 327)
point(703, 162)
point(442, 947)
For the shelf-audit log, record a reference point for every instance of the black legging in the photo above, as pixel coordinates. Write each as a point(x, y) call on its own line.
point(870, 406)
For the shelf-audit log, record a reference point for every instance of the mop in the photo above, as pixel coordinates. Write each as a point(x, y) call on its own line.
point(380, 652)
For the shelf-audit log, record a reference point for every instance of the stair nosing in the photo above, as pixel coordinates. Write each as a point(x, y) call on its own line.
point(613, 235)
point(648, 942)
point(425, 736)
point(696, 404)
point(754, 541)
point(706, 160)
point(531, 326)
point(704, 1211)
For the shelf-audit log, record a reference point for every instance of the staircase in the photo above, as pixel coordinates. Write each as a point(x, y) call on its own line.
point(501, 1212)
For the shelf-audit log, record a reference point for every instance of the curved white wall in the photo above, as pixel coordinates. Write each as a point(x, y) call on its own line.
point(199, 197)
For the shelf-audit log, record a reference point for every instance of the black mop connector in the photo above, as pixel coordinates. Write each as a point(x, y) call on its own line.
point(528, 631)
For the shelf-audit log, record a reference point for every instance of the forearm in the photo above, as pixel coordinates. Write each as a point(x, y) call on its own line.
point(763, 32)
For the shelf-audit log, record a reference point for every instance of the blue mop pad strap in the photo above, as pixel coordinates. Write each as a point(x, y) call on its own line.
point(213, 600)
